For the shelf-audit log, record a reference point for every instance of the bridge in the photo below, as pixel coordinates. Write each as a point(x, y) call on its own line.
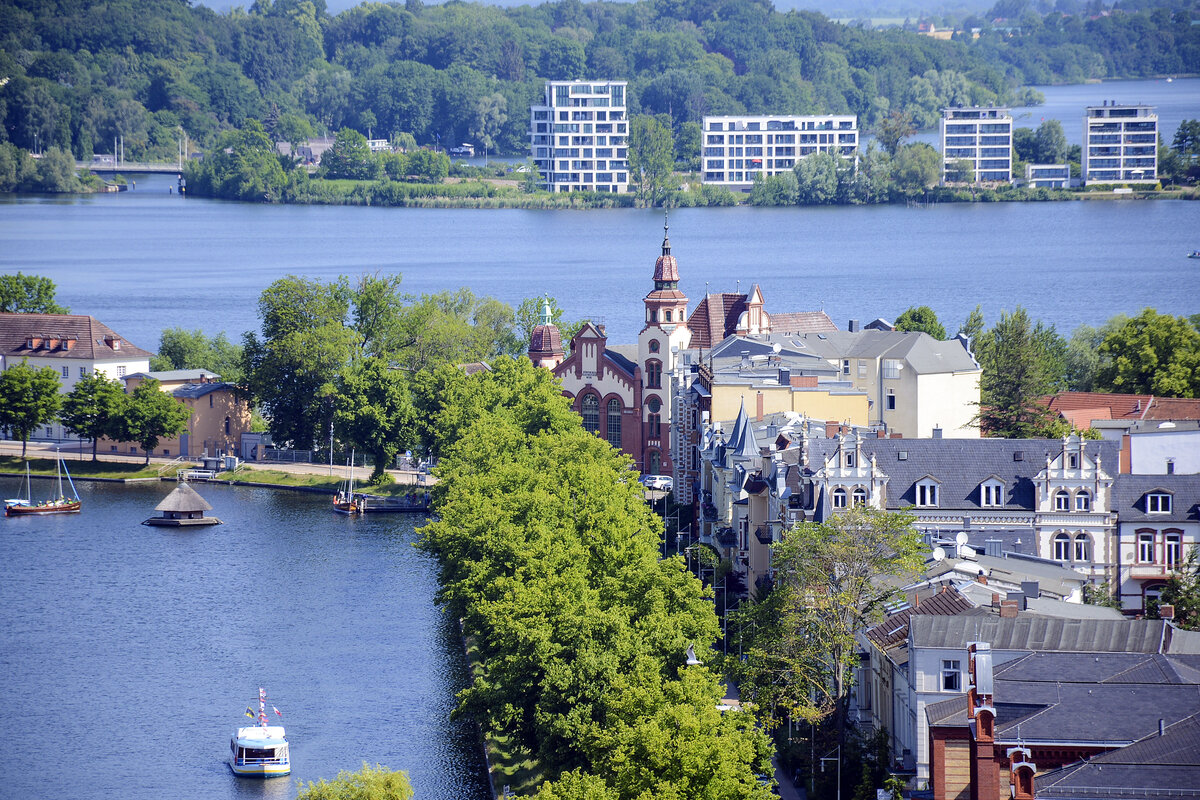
point(129, 166)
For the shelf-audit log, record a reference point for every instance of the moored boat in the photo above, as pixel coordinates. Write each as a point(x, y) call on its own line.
point(260, 751)
point(345, 501)
point(59, 504)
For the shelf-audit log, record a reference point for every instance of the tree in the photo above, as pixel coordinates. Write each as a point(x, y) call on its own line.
point(961, 170)
point(93, 408)
point(183, 349)
point(834, 579)
point(688, 146)
point(378, 783)
point(1183, 591)
point(651, 157)
point(1019, 363)
point(915, 168)
point(893, 129)
point(350, 157)
point(372, 410)
point(150, 414)
point(529, 315)
point(29, 398)
point(921, 318)
point(28, 294)
point(1151, 353)
point(817, 179)
point(1050, 143)
point(305, 344)
point(775, 190)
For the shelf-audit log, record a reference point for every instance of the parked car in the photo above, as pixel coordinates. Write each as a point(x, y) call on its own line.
point(659, 482)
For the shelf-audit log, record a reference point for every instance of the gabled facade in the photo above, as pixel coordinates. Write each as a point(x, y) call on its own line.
point(1158, 523)
point(219, 415)
point(73, 346)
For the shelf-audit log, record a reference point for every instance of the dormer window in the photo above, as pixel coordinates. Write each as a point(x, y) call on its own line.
point(1062, 500)
point(927, 493)
point(992, 494)
point(1158, 503)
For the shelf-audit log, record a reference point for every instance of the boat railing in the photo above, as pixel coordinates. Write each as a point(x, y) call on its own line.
point(246, 762)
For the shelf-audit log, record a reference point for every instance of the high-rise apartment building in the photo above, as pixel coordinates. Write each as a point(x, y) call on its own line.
point(579, 136)
point(1120, 144)
point(981, 136)
point(736, 148)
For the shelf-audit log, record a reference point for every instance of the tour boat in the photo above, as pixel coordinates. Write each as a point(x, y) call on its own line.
point(1194, 254)
point(345, 502)
point(260, 751)
point(59, 504)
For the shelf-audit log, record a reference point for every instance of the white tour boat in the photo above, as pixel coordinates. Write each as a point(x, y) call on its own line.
point(260, 751)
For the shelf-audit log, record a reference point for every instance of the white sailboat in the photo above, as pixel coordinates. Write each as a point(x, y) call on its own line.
point(345, 502)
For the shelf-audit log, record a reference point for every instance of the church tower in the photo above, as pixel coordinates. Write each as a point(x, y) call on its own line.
point(545, 341)
point(664, 335)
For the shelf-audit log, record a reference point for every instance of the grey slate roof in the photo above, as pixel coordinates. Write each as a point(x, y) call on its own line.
point(194, 390)
point(1039, 633)
point(191, 375)
point(924, 354)
point(961, 465)
point(1129, 492)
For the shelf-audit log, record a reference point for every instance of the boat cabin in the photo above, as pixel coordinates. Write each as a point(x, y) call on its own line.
point(259, 750)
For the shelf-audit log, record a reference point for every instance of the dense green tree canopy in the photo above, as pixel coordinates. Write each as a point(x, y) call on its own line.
point(184, 349)
point(29, 398)
point(93, 408)
point(921, 318)
point(1151, 353)
point(651, 157)
point(150, 414)
point(369, 783)
point(28, 294)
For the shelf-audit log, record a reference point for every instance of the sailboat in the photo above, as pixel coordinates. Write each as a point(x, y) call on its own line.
point(344, 502)
point(59, 504)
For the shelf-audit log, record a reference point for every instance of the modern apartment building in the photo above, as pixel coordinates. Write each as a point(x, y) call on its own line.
point(579, 136)
point(737, 148)
point(980, 135)
point(1120, 144)
point(1048, 176)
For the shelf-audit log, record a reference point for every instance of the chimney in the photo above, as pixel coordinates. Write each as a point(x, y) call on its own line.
point(916, 600)
point(1020, 599)
point(1166, 611)
point(1031, 589)
point(937, 432)
point(995, 599)
point(1125, 456)
point(1170, 466)
point(785, 376)
point(1008, 609)
point(982, 578)
point(758, 408)
point(1021, 773)
point(745, 359)
point(852, 326)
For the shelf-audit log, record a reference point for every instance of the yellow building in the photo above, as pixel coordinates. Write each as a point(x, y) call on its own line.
point(219, 415)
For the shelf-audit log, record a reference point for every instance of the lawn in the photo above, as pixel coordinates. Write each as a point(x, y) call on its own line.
point(113, 470)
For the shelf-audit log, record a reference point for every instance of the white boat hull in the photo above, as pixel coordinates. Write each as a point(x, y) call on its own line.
point(261, 770)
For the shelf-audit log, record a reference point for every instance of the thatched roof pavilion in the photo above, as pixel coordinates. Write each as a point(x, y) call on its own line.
point(184, 506)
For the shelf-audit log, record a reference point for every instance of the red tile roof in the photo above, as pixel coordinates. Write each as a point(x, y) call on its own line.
point(715, 319)
point(894, 630)
point(1083, 407)
point(801, 322)
point(62, 336)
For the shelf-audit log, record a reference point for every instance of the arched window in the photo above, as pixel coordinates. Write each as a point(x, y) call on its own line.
point(654, 345)
point(654, 419)
point(653, 463)
point(1083, 501)
point(654, 374)
point(839, 498)
point(1062, 501)
point(614, 422)
point(1062, 547)
point(591, 413)
point(1083, 547)
point(860, 496)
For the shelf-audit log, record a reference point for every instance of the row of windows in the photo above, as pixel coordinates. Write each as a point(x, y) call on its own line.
point(1068, 549)
point(1062, 500)
point(1172, 548)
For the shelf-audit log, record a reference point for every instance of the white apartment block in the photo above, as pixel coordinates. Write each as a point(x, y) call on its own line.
point(738, 148)
point(980, 135)
point(579, 136)
point(1120, 144)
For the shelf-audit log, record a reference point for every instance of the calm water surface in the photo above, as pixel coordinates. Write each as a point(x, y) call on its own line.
point(129, 653)
point(146, 260)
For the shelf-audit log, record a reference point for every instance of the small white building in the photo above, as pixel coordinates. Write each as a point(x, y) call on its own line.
point(1120, 144)
point(1048, 176)
point(737, 148)
point(579, 136)
point(981, 135)
point(73, 346)
point(1158, 522)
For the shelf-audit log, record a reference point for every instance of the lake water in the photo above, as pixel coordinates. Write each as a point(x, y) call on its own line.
point(130, 653)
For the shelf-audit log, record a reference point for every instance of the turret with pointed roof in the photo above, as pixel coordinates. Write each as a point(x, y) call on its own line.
point(545, 341)
point(665, 304)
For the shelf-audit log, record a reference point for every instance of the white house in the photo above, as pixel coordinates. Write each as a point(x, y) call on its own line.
point(72, 345)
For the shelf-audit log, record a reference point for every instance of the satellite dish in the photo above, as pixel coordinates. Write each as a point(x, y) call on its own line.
point(775, 348)
point(939, 554)
point(961, 538)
